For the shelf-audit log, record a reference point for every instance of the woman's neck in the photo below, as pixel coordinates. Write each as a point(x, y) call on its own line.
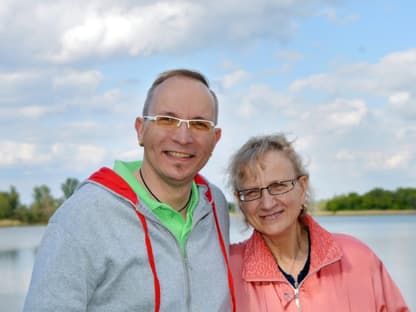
point(290, 250)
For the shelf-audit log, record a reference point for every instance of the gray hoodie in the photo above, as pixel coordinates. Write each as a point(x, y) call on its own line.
point(93, 256)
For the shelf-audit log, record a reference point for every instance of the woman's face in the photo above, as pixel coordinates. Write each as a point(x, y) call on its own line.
point(273, 215)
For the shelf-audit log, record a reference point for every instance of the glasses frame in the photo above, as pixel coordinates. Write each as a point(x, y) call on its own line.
point(260, 189)
point(179, 122)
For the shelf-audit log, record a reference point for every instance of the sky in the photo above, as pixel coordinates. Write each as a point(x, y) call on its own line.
point(337, 77)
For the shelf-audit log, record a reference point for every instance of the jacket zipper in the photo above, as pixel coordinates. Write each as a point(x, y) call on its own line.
point(297, 285)
point(297, 299)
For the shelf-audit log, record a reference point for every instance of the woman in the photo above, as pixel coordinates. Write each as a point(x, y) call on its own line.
point(290, 263)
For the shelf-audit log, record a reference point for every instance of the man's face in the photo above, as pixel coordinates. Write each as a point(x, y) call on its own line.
point(175, 155)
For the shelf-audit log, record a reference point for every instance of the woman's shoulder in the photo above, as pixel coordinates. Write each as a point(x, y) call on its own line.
point(237, 249)
point(354, 248)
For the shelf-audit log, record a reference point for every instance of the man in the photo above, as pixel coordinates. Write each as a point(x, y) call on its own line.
point(150, 235)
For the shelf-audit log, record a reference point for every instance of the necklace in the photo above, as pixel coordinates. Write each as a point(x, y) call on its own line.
point(292, 266)
point(155, 197)
point(294, 260)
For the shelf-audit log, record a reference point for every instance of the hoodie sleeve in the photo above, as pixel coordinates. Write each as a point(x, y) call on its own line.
point(59, 279)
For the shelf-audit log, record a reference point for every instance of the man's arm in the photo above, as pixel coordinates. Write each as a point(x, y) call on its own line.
point(59, 279)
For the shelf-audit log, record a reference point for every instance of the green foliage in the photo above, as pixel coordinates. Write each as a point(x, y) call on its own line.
point(42, 207)
point(9, 202)
point(68, 188)
point(44, 204)
point(376, 199)
point(231, 207)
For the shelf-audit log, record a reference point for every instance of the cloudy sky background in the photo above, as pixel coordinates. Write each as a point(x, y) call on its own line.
point(337, 76)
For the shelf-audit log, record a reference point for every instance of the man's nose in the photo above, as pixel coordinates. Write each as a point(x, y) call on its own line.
point(183, 133)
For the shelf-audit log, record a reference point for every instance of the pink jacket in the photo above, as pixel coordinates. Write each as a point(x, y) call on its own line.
point(344, 275)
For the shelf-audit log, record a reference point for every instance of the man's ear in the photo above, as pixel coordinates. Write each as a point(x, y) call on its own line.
point(139, 126)
point(218, 133)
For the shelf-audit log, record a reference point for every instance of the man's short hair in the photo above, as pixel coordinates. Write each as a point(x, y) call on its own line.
point(183, 73)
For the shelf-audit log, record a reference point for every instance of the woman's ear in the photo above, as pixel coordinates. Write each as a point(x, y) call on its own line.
point(304, 183)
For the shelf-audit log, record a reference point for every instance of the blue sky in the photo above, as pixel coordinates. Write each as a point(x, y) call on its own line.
point(337, 76)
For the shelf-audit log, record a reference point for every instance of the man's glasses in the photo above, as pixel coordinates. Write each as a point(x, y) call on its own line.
point(275, 188)
point(198, 125)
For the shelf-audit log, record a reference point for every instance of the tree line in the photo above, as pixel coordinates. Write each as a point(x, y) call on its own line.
point(44, 204)
point(376, 199)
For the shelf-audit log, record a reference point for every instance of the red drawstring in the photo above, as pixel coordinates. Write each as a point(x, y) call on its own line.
point(198, 180)
point(151, 261)
point(221, 239)
point(114, 182)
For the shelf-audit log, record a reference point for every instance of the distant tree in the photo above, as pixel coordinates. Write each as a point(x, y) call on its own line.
point(376, 199)
point(379, 199)
point(14, 200)
point(4, 205)
point(68, 187)
point(231, 207)
point(9, 203)
point(405, 197)
point(44, 204)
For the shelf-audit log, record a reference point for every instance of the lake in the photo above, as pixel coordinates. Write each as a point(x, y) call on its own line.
point(391, 237)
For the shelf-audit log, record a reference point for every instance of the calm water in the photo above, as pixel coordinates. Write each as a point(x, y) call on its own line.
point(391, 237)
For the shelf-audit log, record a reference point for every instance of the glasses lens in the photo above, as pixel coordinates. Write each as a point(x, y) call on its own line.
point(280, 188)
point(249, 195)
point(166, 121)
point(200, 125)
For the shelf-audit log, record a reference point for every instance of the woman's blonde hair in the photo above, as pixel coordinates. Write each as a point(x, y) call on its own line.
point(254, 150)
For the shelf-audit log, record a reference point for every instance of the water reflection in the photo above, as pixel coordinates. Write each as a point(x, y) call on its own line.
point(18, 248)
point(15, 270)
point(391, 237)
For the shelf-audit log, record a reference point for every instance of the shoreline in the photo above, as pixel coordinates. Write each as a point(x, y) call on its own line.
point(363, 212)
point(319, 213)
point(16, 223)
point(323, 213)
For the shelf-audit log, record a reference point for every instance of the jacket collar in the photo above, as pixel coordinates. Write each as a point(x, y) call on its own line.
point(260, 265)
point(111, 180)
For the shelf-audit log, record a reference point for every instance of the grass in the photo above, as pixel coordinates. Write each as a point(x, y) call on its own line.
point(9, 222)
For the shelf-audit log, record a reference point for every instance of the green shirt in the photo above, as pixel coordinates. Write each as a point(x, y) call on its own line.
point(169, 217)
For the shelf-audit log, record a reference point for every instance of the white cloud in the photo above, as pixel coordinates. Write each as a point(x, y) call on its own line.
point(337, 117)
point(407, 133)
point(333, 16)
point(28, 111)
point(399, 98)
point(263, 99)
point(230, 80)
point(79, 29)
point(289, 56)
point(376, 160)
point(403, 103)
point(83, 155)
point(344, 112)
point(88, 79)
point(393, 73)
point(12, 79)
point(15, 153)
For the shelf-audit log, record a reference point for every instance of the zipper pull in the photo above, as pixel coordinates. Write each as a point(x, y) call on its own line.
point(297, 300)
